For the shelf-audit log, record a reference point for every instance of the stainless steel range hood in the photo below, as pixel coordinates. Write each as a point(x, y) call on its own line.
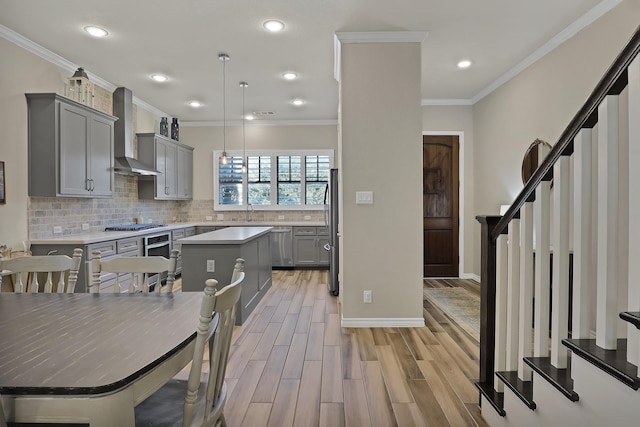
point(124, 163)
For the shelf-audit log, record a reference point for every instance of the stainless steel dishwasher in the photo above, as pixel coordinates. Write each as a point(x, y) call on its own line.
point(282, 247)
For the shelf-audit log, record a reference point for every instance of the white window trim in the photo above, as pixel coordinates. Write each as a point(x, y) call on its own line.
point(274, 179)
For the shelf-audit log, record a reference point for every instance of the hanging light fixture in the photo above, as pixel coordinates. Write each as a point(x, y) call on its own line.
point(244, 85)
point(224, 159)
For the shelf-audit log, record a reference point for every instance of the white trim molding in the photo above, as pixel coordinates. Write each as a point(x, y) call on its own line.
point(368, 322)
point(444, 101)
point(382, 36)
point(470, 276)
point(218, 123)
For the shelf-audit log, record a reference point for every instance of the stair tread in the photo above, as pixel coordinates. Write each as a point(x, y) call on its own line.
point(522, 389)
point(613, 362)
point(492, 396)
point(559, 378)
point(632, 317)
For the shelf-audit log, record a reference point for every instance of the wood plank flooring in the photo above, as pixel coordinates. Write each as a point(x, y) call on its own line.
point(291, 364)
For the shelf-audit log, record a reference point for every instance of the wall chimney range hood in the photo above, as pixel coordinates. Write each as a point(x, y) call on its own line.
point(125, 164)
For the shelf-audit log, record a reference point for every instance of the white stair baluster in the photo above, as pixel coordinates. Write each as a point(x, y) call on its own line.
point(501, 308)
point(560, 281)
point(633, 334)
point(607, 276)
point(582, 236)
point(541, 215)
point(526, 290)
point(513, 295)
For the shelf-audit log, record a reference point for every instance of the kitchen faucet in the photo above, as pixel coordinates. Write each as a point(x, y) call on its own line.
point(249, 211)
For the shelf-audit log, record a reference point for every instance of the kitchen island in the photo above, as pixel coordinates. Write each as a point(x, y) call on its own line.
point(212, 256)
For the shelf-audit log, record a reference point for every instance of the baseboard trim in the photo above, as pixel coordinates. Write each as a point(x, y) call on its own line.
point(401, 322)
point(470, 276)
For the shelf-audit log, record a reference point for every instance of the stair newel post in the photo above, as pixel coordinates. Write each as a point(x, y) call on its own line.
point(487, 298)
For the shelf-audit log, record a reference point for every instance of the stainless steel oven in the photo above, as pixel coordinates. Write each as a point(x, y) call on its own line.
point(157, 245)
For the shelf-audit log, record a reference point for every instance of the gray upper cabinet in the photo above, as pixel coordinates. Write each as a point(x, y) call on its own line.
point(185, 172)
point(70, 148)
point(174, 161)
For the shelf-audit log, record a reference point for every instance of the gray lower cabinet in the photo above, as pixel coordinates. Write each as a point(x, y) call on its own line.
point(308, 247)
point(257, 255)
point(179, 234)
point(130, 246)
point(174, 161)
point(70, 148)
point(207, 228)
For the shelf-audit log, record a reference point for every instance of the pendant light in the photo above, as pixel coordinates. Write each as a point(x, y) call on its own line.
point(244, 85)
point(224, 159)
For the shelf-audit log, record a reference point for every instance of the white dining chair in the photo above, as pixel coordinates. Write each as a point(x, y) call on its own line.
point(204, 402)
point(59, 272)
point(134, 271)
point(3, 419)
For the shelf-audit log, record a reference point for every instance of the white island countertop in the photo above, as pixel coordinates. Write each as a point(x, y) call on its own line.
point(226, 236)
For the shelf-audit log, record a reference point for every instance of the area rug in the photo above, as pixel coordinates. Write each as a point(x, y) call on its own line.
point(459, 304)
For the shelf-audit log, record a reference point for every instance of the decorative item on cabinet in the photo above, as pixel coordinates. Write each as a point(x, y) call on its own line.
point(164, 126)
point(79, 88)
point(3, 194)
point(174, 129)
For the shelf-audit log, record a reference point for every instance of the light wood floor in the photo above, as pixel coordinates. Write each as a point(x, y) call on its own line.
point(291, 364)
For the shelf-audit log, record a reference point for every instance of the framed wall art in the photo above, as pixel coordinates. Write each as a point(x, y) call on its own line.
point(3, 193)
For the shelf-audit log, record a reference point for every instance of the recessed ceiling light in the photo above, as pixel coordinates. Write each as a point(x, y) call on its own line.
point(159, 77)
point(465, 63)
point(273, 25)
point(249, 117)
point(290, 75)
point(195, 104)
point(95, 31)
point(298, 102)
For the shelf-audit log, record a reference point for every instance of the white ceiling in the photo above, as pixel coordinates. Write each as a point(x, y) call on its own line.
point(182, 39)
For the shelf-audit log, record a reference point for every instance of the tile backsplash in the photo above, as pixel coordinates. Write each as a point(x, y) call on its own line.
point(69, 214)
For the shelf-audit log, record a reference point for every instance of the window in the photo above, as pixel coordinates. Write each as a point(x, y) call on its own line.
point(317, 178)
point(276, 180)
point(289, 180)
point(259, 180)
point(230, 177)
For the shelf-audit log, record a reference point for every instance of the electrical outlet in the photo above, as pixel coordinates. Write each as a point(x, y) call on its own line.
point(85, 226)
point(149, 221)
point(208, 218)
point(280, 216)
point(211, 266)
point(57, 229)
point(367, 296)
point(307, 217)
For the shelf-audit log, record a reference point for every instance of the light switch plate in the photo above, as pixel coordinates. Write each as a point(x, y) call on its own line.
point(211, 266)
point(57, 229)
point(364, 197)
point(220, 217)
point(85, 226)
point(208, 218)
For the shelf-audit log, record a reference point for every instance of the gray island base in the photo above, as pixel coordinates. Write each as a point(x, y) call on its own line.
point(212, 256)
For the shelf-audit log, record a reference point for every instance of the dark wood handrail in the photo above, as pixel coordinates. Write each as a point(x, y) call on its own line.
point(614, 80)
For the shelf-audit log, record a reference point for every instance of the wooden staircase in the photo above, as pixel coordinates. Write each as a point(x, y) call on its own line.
point(553, 346)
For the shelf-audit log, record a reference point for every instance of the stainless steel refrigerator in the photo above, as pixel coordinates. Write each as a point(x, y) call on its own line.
point(331, 221)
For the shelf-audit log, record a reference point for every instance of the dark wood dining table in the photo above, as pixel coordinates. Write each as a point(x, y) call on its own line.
point(91, 358)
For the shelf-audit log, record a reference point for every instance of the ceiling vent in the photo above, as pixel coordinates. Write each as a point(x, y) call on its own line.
point(263, 113)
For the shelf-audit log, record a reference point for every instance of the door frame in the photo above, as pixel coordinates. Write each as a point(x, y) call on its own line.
point(461, 194)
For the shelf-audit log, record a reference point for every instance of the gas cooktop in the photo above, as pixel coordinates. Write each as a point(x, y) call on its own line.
point(132, 227)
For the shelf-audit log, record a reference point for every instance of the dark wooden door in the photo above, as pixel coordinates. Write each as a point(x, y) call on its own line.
point(440, 205)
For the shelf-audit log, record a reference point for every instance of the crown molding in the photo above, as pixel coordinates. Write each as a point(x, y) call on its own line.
point(65, 64)
point(439, 102)
point(382, 36)
point(217, 123)
point(584, 21)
